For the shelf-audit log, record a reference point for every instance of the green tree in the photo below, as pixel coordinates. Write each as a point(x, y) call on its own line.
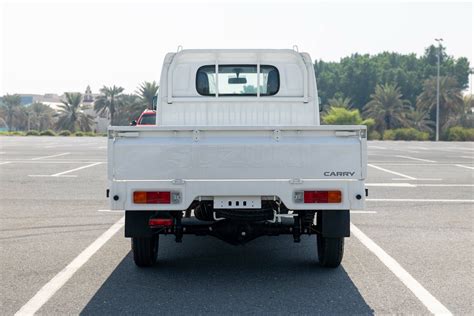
point(342, 116)
point(108, 101)
point(420, 119)
point(451, 103)
point(338, 102)
point(131, 106)
point(71, 117)
point(337, 115)
point(41, 116)
point(146, 91)
point(387, 108)
point(467, 116)
point(357, 75)
point(11, 105)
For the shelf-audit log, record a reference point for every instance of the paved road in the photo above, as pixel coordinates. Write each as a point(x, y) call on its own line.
point(420, 214)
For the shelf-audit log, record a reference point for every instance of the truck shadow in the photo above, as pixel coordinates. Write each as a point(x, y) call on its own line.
point(206, 276)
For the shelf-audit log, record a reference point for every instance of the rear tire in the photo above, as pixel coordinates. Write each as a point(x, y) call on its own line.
point(330, 249)
point(145, 250)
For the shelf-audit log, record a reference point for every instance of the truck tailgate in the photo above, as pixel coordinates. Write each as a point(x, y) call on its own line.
point(240, 158)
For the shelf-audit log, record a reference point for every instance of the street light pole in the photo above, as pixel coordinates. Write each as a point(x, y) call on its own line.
point(439, 40)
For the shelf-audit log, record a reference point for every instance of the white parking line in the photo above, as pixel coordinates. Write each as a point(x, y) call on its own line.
point(425, 297)
point(4, 163)
point(392, 172)
point(411, 185)
point(377, 147)
point(468, 157)
point(44, 157)
point(363, 212)
point(111, 211)
point(398, 185)
point(47, 175)
point(413, 158)
point(462, 166)
point(50, 288)
point(76, 169)
point(420, 200)
point(418, 179)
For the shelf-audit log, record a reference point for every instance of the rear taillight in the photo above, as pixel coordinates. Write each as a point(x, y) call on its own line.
point(160, 222)
point(154, 197)
point(317, 197)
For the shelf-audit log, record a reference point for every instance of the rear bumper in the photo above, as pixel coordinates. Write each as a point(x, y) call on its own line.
point(121, 192)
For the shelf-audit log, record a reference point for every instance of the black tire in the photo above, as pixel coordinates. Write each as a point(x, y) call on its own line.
point(145, 250)
point(330, 250)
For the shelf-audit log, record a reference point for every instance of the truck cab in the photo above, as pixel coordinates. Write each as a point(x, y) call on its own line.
point(237, 152)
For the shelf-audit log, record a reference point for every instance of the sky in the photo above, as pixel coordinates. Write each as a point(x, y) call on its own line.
point(59, 46)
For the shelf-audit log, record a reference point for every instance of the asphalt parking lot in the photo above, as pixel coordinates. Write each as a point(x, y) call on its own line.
point(411, 250)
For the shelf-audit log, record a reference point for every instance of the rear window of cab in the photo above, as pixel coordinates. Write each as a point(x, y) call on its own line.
point(237, 80)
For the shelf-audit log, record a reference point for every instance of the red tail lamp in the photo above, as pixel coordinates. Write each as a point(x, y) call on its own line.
point(318, 197)
point(145, 197)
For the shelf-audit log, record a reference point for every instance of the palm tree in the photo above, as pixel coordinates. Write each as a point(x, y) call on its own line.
point(41, 116)
point(387, 107)
point(70, 115)
point(420, 119)
point(146, 92)
point(451, 103)
point(11, 105)
point(131, 106)
point(108, 101)
point(340, 102)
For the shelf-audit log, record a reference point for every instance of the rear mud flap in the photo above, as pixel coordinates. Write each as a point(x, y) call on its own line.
point(334, 223)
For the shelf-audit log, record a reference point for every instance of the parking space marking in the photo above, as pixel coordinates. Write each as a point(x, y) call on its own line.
point(406, 150)
point(76, 169)
point(467, 167)
point(413, 158)
point(363, 212)
point(47, 175)
point(418, 179)
point(425, 297)
point(398, 185)
point(50, 288)
point(377, 147)
point(52, 156)
point(62, 174)
point(444, 185)
point(420, 200)
point(468, 157)
point(411, 185)
point(4, 163)
point(111, 211)
point(392, 172)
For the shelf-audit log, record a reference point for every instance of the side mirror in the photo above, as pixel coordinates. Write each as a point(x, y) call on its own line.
point(155, 102)
point(133, 123)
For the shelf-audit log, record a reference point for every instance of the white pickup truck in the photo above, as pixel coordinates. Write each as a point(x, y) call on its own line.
point(237, 152)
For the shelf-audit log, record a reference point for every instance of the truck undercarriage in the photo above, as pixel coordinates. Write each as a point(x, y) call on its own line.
point(236, 227)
